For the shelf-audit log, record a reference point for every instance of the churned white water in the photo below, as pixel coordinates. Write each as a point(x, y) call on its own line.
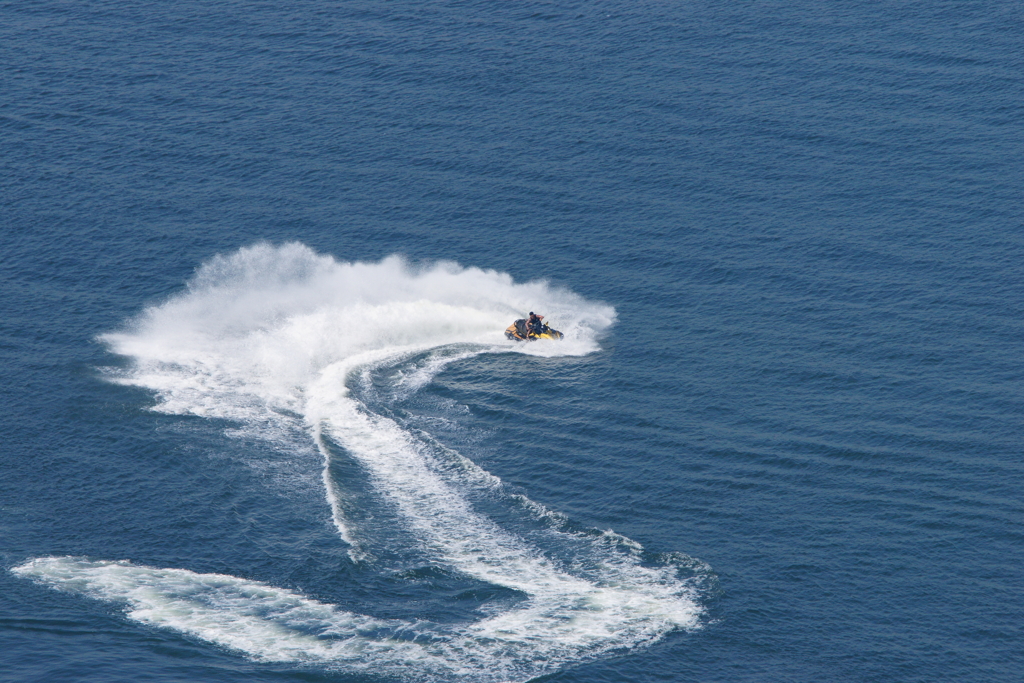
point(270, 333)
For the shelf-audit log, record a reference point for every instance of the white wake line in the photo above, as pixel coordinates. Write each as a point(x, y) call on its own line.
point(564, 618)
point(333, 385)
point(562, 606)
point(261, 620)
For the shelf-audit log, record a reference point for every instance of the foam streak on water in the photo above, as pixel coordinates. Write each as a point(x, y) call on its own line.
point(272, 332)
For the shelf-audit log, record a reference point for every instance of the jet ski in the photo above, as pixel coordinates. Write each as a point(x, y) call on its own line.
point(518, 331)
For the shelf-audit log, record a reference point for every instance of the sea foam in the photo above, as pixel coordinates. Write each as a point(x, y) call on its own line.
point(274, 332)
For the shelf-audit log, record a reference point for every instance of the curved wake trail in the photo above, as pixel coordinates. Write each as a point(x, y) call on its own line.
point(274, 331)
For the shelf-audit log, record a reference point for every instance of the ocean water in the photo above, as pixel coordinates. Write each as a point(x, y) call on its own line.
point(260, 422)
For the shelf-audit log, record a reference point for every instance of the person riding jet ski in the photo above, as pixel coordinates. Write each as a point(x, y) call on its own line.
point(534, 324)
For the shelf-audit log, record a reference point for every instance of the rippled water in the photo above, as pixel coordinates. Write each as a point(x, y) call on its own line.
point(260, 419)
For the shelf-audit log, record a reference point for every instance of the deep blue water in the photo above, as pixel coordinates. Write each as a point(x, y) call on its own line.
point(245, 440)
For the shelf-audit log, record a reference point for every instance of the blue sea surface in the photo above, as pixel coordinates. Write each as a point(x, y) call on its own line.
point(260, 421)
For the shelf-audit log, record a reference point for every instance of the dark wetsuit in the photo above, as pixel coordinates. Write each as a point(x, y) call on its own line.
point(535, 325)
